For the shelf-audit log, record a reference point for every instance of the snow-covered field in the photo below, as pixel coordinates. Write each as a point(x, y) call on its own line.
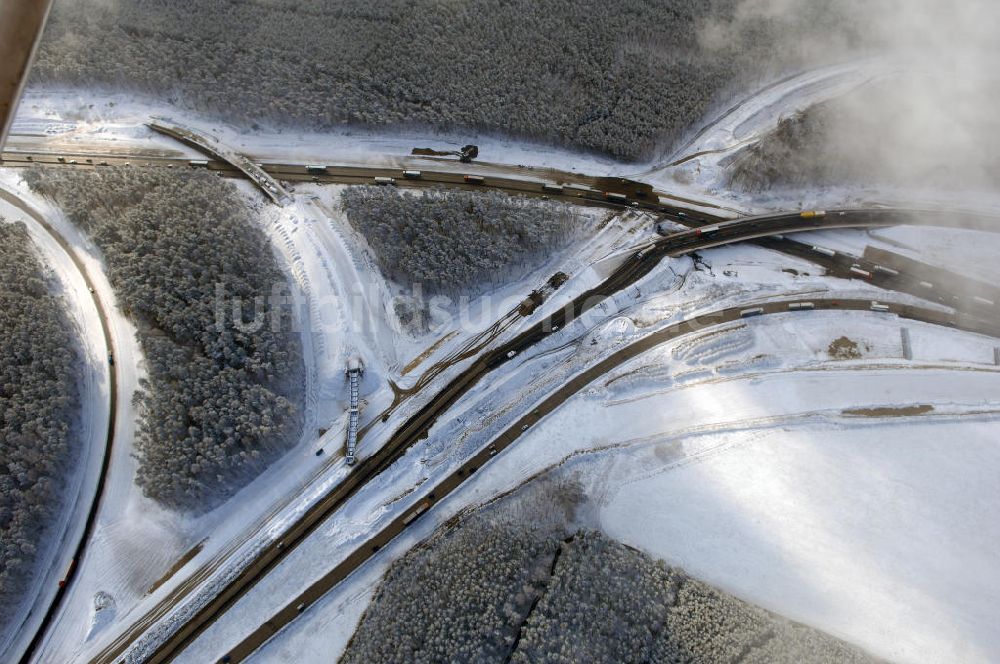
point(793, 351)
point(746, 471)
point(134, 558)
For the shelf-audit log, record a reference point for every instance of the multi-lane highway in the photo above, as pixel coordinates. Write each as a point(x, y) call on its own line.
point(635, 267)
point(709, 231)
point(445, 487)
point(558, 185)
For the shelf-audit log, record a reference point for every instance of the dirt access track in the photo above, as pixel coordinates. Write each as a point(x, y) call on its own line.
point(21, 23)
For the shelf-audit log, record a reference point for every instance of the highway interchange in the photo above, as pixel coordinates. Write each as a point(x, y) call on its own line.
point(442, 489)
point(707, 230)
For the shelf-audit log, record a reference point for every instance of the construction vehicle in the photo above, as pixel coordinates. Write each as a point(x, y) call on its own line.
point(465, 155)
point(468, 153)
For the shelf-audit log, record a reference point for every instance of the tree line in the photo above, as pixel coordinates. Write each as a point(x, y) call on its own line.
point(485, 590)
point(457, 242)
point(39, 412)
point(219, 403)
point(620, 78)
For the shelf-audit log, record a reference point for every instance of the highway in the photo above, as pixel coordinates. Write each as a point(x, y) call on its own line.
point(608, 192)
point(258, 176)
point(581, 189)
point(709, 231)
point(80, 547)
point(414, 429)
point(437, 493)
point(566, 186)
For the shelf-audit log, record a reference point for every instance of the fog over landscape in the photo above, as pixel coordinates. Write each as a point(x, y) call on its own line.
point(932, 121)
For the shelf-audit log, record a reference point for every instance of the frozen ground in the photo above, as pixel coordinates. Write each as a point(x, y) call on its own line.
point(699, 159)
point(135, 543)
point(125, 546)
point(110, 123)
point(96, 120)
point(700, 165)
point(320, 247)
point(85, 116)
point(323, 256)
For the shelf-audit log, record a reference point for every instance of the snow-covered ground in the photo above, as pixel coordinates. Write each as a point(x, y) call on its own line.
point(132, 535)
point(738, 274)
point(91, 432)
point(135, 543)
point(68, 117)
point(701, 444)
point(695, 173)
point(348, 310)
point(136, 560)
point(698, 159)
point(326, 261)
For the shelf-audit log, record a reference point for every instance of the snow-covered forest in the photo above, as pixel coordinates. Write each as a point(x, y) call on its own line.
point(457, 242)
point(487, 591)
point(457, 600)
point(39, 407)
point(618, 78)
point(181, 249)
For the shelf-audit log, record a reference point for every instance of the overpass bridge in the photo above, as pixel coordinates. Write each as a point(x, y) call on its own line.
point(213, 148)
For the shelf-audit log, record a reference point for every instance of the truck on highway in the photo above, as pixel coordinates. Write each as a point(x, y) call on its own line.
point(420, 509)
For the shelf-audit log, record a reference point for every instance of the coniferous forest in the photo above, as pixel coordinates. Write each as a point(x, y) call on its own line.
point(457, 242)
point(39, 408)
point(619, 78)
point(495, 592)
point(219, 402)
